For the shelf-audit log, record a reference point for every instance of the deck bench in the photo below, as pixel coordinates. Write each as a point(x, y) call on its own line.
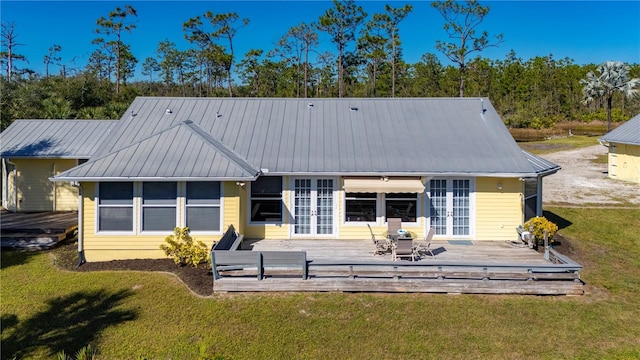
point(222, 260)
point(230, 241)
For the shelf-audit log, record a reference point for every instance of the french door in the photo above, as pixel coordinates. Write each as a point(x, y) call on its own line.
point(313, 208)
point(450, 211)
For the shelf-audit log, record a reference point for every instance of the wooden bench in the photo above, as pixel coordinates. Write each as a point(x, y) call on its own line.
point(222, 260)
point(230, 241)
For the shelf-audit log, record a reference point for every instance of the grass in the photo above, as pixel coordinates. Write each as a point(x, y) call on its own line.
point(559, 144)
point(128, 315)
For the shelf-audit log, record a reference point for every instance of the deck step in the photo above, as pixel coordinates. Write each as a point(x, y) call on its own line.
point(33, 241)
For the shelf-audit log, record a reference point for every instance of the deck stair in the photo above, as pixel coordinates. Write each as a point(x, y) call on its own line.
point(36, 231)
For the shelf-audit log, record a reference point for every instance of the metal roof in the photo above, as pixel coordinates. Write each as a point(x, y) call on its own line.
point(346, 136)
point(627, 133)
point(73, 139)
point(181, 152)
point(540, 165)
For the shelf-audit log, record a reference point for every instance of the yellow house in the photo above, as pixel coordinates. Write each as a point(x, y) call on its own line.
point(624, 151)
point(33, 151)
point(303, 169)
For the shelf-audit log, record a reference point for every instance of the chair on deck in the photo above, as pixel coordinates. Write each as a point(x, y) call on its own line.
point(404, 249)
point(424, 247)
point(382, 245)
point(393, 225)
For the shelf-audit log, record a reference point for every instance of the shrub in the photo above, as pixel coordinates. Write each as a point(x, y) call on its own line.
point(184, 249)
point(539, 224)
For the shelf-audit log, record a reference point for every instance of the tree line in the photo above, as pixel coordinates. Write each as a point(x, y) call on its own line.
point(367, 62)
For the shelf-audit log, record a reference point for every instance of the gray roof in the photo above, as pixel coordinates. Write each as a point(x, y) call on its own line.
point(72, 139)
point(627, 133)
point(348, 136)
point(540, 165)
point(194, 155)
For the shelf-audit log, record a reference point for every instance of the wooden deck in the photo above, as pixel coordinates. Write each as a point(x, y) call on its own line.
point(38, 230)
point(458, 267)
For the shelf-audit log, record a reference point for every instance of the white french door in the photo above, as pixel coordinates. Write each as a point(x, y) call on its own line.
point(450, 211)
point(313, 207)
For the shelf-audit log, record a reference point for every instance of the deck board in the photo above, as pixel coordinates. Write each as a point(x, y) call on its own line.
point(486, 267)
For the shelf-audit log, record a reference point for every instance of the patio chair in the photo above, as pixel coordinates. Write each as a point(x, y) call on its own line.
point(424, 247)
point(393, 225)
point(403, 248)
point(382, 245)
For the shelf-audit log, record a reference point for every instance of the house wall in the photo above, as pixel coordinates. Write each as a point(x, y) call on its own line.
point(104, 247)
point(34, 192)
point(269, 231)
point(498, 211)
point(66, 196)
point(9, 185)
point(624, 162)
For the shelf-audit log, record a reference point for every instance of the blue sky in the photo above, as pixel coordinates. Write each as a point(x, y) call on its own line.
point(585, 31)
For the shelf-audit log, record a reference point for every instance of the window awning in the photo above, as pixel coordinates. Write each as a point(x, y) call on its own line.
point(383, 185)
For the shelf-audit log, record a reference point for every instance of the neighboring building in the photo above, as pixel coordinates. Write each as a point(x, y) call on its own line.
point(32, 151)
point(301, 169)
point(624, 151)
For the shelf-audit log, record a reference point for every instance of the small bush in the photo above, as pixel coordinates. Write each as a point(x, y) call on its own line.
point(86, 353)
point(184, 249)
point(539, 225)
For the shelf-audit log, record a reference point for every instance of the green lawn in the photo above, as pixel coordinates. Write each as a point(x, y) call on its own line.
point(559, 144)
point(129, 315)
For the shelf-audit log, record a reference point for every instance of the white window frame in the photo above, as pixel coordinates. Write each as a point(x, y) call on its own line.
point(220, 205)
point(377, 216)
point(142, 206)
point(282, 205)
point(99, 206)
point(418, 206)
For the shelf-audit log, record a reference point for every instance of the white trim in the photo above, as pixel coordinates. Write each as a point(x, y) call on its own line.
point(183, 208)
point(97, 214)
point(336, 218)
point(284, 206)
point(472, 207)
point(141, 206)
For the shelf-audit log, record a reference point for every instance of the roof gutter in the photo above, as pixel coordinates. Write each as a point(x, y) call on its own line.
point(160, 178)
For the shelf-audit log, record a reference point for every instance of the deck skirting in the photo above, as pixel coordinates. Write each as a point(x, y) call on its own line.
point(401, 285)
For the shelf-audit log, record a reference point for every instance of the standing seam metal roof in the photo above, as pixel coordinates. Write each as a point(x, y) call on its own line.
point(73, 139)
point(350, 136)
point(627, 133)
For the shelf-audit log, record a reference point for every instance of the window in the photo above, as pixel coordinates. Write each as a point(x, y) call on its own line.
point(360, 206)
point(115, 206)
point(266, 199)
point(530, 198)
point(401, 205)
point(159, 206)
point(203, 206)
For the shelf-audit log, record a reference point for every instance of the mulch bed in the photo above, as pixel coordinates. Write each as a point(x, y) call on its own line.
point(199, 280)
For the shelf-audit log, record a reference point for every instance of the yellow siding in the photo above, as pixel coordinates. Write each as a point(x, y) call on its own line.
point(35, 191)
point(498, 211)
point(626, 160)
point(271, 231)
point(100, 247)
point(66, 196)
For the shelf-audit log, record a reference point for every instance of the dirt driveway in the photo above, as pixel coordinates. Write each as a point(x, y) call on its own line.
point(583, 181)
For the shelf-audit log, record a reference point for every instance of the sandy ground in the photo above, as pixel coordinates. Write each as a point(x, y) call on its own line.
point(582, 181)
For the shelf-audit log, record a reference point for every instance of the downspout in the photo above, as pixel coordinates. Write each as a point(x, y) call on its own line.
point(81, 258)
